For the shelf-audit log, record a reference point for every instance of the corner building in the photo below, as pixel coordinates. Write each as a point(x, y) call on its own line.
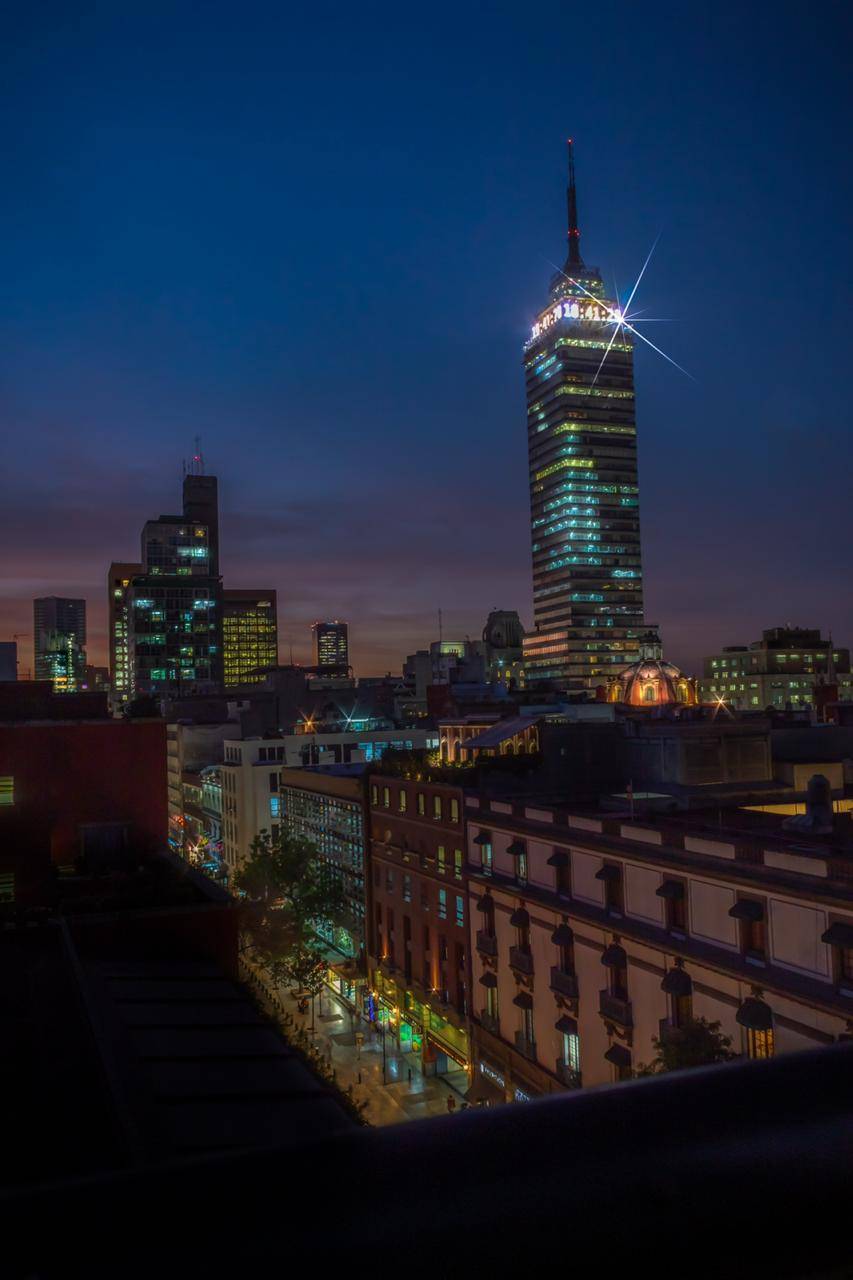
point(584, 506)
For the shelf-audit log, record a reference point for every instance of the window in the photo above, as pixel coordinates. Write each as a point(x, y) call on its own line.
point(386, 797)
point(749, 913)
point(7, 791)
point(614, 897)
point(521, 869)
point(275, 807)
point(407, 888)
point(527, 1026)
point(454, 810)
point(403, 800)
point(845, 966)
point(421, 804)
point(681, 1009)
point(571, 1052)
point(442, 904)
point(424, 898)
point(491, 1009)
point(273, 782)
point(760, 1044)
point(374, 794)
point(457, 864)
point(442, 859)
point(486, 857)
point(460, 910)
point(437, 808)
point(389, 880)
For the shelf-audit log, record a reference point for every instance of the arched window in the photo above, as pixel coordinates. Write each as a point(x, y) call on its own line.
point(649, 693)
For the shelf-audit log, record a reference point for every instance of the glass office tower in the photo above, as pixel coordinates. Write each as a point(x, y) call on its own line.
point(584, 514)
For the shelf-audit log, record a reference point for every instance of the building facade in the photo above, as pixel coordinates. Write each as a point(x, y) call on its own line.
point(327, 807)
point(418, 961)
point(8, 660)
point(781, 669)
point(584, 505)
point(119, 578)
point(249, 636)
point(330, 648)
point(59, 641)
point(251, 802)
point(593, 935)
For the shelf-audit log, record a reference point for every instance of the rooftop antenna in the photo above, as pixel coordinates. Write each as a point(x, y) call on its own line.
point(575, 259)
point(440, 628)
point(197, 464)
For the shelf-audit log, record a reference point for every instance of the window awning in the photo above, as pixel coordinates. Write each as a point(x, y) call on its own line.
point(609, 871)
point(562, 936)
point(618, 1055)
point(520, 918)
point(484, 1090)
point(516, 849)
point(483, 838)
point(559, 858)
point(671, 889)
point(747, 909)
point(839, 934)
point(524, 1000)
point(755, 1015)
point(566, 1026)
point(676, 982)
point(614, 956)
point(485, 903)
point(489, 980)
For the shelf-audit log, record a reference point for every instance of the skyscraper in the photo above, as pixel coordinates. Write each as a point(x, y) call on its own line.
point(119, 578)
point(584, 516)
point(8, 660)
point(59, 641)
point(249, 635)
point(330, 646)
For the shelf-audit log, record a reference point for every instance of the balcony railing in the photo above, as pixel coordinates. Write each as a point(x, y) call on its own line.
point(491, 1022)
point(524, 1046)
point(564, 983)
point(567, 1075)
point(487, 943)
point(616, 1009)
point(521, 960)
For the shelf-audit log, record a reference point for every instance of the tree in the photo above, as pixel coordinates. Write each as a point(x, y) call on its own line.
point(289, 898)
point(698, 1043)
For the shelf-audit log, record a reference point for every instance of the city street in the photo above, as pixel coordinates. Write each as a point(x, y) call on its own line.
point(354, 1050)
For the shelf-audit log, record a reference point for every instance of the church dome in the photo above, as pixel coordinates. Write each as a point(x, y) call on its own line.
point(652, 682)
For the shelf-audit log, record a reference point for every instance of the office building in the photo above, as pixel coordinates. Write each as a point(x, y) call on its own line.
point(327, 807)
point(593, 935)
point(119, 578)
point(330, 648)
point(59, 641)
point(249, 636)
point(782, 669)
point(585, 529)
point(418, 958)
point(8, 660)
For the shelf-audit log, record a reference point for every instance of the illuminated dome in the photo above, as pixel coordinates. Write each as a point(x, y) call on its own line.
point(651, 682)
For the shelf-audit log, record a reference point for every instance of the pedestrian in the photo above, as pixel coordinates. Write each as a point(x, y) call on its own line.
point(451, 1104)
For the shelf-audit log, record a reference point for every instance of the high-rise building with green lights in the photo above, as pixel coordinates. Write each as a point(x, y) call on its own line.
point(584, 513)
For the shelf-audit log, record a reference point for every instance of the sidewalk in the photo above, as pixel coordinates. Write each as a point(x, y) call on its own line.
point(335, 1035)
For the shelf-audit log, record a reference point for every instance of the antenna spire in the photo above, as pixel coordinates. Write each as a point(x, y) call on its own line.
point(574, 259)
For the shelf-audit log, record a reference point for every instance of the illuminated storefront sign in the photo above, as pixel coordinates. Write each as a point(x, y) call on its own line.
point(491, 1074)
point(584, 309)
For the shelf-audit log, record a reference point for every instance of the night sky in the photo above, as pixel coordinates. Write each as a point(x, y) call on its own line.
point(316, 236)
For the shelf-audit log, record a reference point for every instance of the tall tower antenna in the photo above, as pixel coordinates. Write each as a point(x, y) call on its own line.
point(575, 259)
point(197, 464)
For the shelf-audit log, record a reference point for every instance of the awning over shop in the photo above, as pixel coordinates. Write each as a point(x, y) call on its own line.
point(484, 1090)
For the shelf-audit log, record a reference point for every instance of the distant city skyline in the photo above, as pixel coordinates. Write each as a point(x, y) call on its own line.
point(335, 300)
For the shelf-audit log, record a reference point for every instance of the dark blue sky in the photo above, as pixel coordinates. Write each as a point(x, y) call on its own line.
point(317, 236)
